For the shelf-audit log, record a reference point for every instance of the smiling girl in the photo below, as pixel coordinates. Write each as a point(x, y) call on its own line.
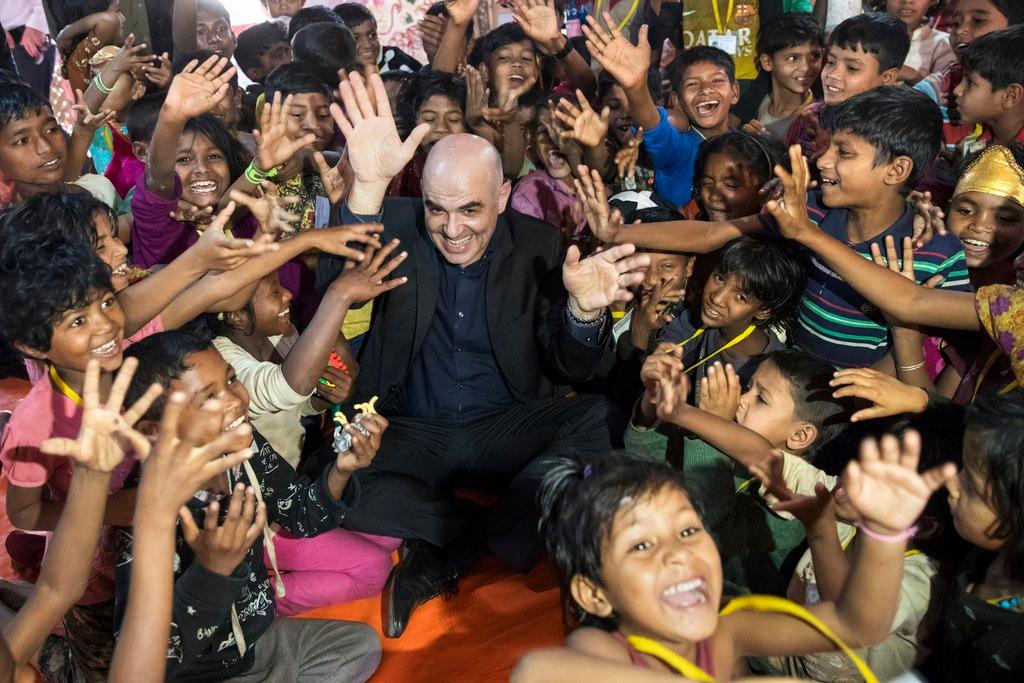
point(642, 578)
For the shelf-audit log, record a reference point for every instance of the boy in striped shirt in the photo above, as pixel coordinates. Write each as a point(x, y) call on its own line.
point(882, 140)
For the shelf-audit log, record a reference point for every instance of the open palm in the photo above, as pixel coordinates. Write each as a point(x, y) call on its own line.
point(375, 150)
point(602, 279)
point(199, 87)
point(627, 62)
point(537, 18)
point(106, 434)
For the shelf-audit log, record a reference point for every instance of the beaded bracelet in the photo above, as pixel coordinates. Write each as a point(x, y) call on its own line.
point(585, 323)
point(98, 82)
point(904, 535)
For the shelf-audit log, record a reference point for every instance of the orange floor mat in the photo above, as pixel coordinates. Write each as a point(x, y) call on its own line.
point(478, 635)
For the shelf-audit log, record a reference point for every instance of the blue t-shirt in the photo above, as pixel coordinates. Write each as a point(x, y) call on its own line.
point(673, 155)
point(835, 322)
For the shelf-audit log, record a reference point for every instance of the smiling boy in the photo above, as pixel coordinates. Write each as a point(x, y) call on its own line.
point(880, 143)
point(369, 53)
point(864, 52)
point(707, 90)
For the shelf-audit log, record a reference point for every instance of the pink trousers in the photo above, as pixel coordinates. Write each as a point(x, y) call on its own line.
point(334, 567)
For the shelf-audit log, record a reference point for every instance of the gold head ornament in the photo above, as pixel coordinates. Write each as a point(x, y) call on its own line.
point(995, 172)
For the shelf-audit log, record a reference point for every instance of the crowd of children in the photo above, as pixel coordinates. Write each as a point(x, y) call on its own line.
point(803, 453)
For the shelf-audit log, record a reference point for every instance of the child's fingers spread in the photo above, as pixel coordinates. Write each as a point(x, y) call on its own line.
point(212, 513)
point(139, 408)
point(188, 525)
point(910, 451)
point(889, 449)
point(139, 444)
point(60, 446)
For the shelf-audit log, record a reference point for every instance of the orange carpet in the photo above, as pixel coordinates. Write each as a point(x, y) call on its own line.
point(479, 635)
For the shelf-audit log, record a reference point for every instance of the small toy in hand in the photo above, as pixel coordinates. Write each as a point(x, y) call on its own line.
point(342, 438)
point(337, 363)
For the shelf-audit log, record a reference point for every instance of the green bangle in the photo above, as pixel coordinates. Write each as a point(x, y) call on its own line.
point(100, 86)
point(256, 176)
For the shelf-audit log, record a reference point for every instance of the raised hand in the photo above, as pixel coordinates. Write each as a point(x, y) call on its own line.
point(179, 465)
point(461, 12)
point(904, 267)
point(477, 95)
point(365, 281)
point(720, 391)
point(814, 512)
point(159, 75)
point(888, 395)
point(627, 62)
point(199, 87)
point(627, 157)
point(929, 220)
point(274, 146)
point(670, 396)
point(604, 221)
point(583, 124)
point(507, 109)
point(791, 211)
point(129, 59)
point(653, 313)
point(187, 212)
point(222, 547)
point(270, 209)
point(431, 30)
point(334, 240)
point(601, 279)
point(884, 486)
point(666, 361)
point(217, 251)
point(539, 22)
point(374, 148)
point(332, 178)
point(87, 122)
point(106, 434)
point(363, 449)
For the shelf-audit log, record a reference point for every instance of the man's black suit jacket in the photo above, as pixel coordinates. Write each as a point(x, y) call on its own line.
point(526, 300)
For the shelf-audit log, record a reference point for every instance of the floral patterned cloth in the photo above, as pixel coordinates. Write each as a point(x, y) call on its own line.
point(1001, 311)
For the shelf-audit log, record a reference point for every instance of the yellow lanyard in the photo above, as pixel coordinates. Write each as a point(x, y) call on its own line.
point(676, 661)
point(733, 342)
point(772, 603)
point(753, 603)
point(63, 387)
point(718, 15)
point(984, 371)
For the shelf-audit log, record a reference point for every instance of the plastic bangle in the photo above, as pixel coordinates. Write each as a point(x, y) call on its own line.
point(900, 537)
point(910, 368)
point(256, 176)
point(564, 52)
point(100, 85)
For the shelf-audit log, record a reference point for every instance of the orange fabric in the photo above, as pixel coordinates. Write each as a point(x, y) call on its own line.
point(479, 635)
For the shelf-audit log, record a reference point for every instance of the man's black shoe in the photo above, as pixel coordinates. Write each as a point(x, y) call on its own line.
point(422, 574)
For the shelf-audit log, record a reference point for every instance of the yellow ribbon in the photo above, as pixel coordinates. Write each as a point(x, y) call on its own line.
point(672, 659)
point(718, 16)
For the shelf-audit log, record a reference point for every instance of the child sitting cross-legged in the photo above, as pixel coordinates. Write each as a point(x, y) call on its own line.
point(224, 600)
point(727, 435)
point(642, 579)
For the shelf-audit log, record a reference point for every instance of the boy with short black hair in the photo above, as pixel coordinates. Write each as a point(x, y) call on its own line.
point(213, 28)
point(880, 143)
point(992, 90)
point(282, 8)
point(790, 49)
point(312, 15)
point(224, 601)
point(707, 91)
point(261, 49)
point(864, 52)
point(369, 52)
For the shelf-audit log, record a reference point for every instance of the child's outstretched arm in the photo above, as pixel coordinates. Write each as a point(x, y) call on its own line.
point(889, 495)
point(587, 127)
point(453, 40)
point(172, 473)
point(86, 125)
point(739, 443)
point(540, 23)
point(305, 362)
point(692, 237)
point(178, 306)
point(628, 63)
point(194, 91)
point(892, 293)
point(97, 450)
